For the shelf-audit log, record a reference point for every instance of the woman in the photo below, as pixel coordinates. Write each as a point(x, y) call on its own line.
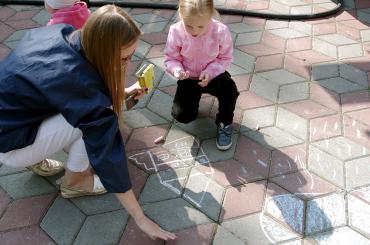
point(64, 89)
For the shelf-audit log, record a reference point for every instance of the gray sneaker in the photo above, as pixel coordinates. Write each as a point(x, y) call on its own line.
point(224, 134)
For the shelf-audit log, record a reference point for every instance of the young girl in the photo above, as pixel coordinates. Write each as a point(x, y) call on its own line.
point(198, 51)
point(67, 12)
point(64, 89)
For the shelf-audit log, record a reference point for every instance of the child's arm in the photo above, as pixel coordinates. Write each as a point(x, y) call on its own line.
point(225, 55)
point(173, 58)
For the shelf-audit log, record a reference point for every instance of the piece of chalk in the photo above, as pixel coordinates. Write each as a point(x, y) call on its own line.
point(160, 139)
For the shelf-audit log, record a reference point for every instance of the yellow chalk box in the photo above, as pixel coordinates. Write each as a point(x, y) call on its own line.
point(145, 76)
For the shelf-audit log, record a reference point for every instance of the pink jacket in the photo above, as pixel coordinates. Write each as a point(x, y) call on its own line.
point(75, 15)
point(211, 52)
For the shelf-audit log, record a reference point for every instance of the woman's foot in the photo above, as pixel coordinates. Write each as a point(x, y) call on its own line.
point(77, 184)
point(47, 167)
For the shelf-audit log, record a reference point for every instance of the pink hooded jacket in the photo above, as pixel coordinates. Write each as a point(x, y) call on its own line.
point(211, 52)
point(75, 15)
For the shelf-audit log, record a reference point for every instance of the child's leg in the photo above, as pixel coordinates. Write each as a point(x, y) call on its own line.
point(186, 101)
point(224, 88)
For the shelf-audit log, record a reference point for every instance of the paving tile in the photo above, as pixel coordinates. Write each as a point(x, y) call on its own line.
point(353, 74)
point(202, 128)
point(336, 39)
point(258, 229)
point(297, 66)
point(259, 49)
point(356, 130)
point(324, 28)
point(201, 234)
point(298, 44)
point(250, 200)
point(5, 170)
point(32, 235)
point(357, 172)
point(60, 227)
point(349, 32)
point(264, 87)
point(274, 41)
point(242, 82)
point(350, 51)
point(308, 109)
point(270, 62)
point(288, 159)
point(325, 97)
point(248, 38)
point(94, 231)
point(148, 18)
point(288, 33)
point(325, 213)
point(243, 60)
point(204, 193)
point(248, 100)
point(214, 154)
point(25, 184)
point(257, 118)
point(311, 56)
point(324, 47)
point(142, 118)
point(304, 184)
point(154, 27)
point(6, 31)
point(235, 70)
point(4, 51)
point(355, 101)
point(22, 24)
point(154, 38)
point(359, 214)
point(340, 85)
point(167, 184)
point(6, 12)
point(133, 235)
point(4, 201)
point(242, 27)
point(182, 214)
point(281, 76)
point(362, 193)
point(273, 137)
point(365, 35)
point(42, 18)
point(25, 212)
point(97, 204)
point(284, 207)
point(223, 236)
point(291, 123)
point(325, 127)
point(142, 138)
point(340, 236)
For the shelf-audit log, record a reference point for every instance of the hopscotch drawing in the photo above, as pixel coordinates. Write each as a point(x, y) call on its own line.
point(178, 154)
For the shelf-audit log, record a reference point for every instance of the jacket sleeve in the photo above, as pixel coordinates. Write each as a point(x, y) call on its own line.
point(224, 57)
point(85, 106)
point(173, 58)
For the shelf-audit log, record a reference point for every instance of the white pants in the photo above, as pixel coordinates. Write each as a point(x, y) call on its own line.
point(54, 134)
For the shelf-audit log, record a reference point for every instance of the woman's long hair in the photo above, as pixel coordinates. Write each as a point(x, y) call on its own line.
point(106, 31)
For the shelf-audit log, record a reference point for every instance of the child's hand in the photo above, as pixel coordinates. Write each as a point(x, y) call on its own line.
point(153, 230)
point(204, 79)
point(137, 90)
point(180, 74)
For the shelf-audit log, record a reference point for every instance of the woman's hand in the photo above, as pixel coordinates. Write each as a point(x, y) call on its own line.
point(153, 230)
point(180, 74)
point(137, 90)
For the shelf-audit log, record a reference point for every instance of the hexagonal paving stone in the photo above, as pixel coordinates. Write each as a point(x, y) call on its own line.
point(202, 128)
point(161, 103)
point(175, 214)
point(28, 235)
point(214, 154)
point(96, 230)
point(201, 234)
point(258, 118)
point(288, 159)
point(291, 123)
point(133, 235)
point(97, 204)
point(359, 215)
point(223, 236)
point(142, 118)
point(340, 236)
point(358, 172)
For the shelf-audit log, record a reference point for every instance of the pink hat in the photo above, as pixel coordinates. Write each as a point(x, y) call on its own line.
point(59, 4)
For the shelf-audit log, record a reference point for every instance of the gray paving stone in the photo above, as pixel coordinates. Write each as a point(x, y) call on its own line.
point(248, 38)
point(353, 74)
point(324, 70)
point(5, 170)
point(302, 10)
point(258, 229)
point(350, 51)
point(273, 137)
point(364, 16)
point(63, 221)
point(161, 104)
point(16, 36)
point(276, 7)
point(258, 118)
point(202, 128)
point(42, 17)
point(223, 237)
point(102, 228)
point(235, 70)
point(301, 26)
point(264, 87)
point(214, 154)
point(359, 215)
point(293, 92)
point(349, 4)
point(243, 60)
point(340, 236)
point(175, 214)
point(204, 193)
point(336, 39)
point(25, 184)
point(159, 63)
point(148, 18)
point(324, 47)
point(154, 27)
point(358, 172)
point(365, 35)
point(142, 49)
point(241, 27)
point(281, 76)
point(288, 33)
point(97, 204)
point(326, 166)
point(292, 123)
point(276, 24)
point(24, 7)
point(340, 85)
point(167, 80)
point(342, 148)
point(325, 213)
point(288, 209)
point(167, 184)
point(142, 118)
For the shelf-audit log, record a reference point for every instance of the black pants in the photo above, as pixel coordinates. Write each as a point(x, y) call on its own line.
point(188, 94)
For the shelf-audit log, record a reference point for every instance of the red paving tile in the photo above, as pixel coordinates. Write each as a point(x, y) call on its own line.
point(288, 159)
point(273, 41)
point(201, 235)
point(22, 24)
point(325, 97)
point(349, 32)
point(24, 15)
point(361, 4)
point(242, 82)
point(133, 235)
point(155, 51)
point(346, 15)
point(356, 131)
point(325, 127)
point(308, 109)
point(355, 101)
point(311, 56)
point(6, 12)
point(324, 28)
point(4, 201)
point(253, 21)
point(155, 38)
point(5, 31)
point(297, 66)
point(228, 19)
point(270, 62)
point(32, 235)
point(249, 100)
point(25, 212)
point(298, 44)
point(143, 138)
point(258, 50)
point(138, 179)
point(4, 51)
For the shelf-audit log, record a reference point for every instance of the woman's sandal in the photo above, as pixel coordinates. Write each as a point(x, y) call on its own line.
point(98, 189)
point(47, 167)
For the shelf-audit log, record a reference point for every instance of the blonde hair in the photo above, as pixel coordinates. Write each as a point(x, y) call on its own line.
point(191, 8)
point(106, 31)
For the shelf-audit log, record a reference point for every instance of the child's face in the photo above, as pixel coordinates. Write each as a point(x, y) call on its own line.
point(197, 25)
